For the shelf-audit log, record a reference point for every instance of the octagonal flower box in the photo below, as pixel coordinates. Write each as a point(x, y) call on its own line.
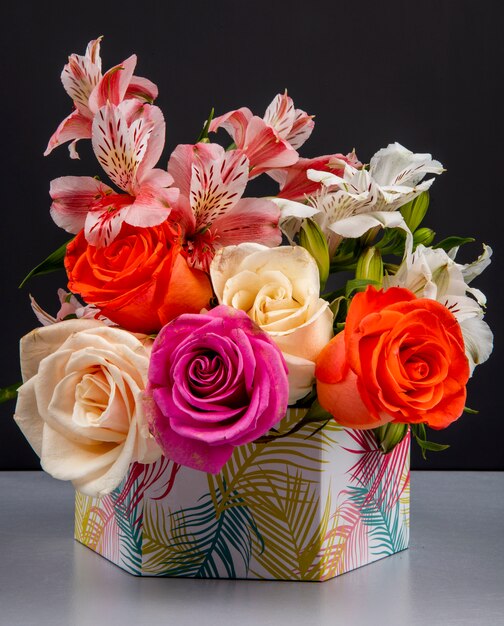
point(309, 506)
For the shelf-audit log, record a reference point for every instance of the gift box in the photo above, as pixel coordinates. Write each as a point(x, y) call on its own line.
point(309, 506)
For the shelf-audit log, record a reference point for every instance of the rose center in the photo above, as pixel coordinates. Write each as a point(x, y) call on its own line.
point(209, 378)
point(92, 396)
point(416, 369)
point(273, 302)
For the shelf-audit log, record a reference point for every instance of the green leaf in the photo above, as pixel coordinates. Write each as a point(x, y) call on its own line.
point(358, 284)
point(335, 305)
point(53, 263)
point(9, 393)
point(432, 446)
point(419, 432)
point(346, 255)
point(203, 136)
point(453, 242)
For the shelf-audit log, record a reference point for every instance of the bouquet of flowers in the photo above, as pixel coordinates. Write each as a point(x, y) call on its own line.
point(196, 315)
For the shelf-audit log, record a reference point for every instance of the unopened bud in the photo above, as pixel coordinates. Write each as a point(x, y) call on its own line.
point(389, 435)
point(424, 236)
point(415, 210)
point(370, 265)
point(313, 239)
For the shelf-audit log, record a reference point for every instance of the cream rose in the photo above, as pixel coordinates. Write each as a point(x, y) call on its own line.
point(279, 289)
point(80, 404)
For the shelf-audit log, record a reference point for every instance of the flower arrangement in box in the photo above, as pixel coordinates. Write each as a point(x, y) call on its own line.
point(217, 355)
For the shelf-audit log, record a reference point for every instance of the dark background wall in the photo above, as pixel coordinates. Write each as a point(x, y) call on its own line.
point(424, 74)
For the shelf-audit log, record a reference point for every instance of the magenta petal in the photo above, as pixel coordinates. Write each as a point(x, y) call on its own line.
point(208, 429)
point(195, 454)
point(217, 381)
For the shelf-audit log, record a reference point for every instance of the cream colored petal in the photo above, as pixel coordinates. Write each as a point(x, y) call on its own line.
point(66, 459)
point(307, 340)
point(292, 319)
point(292, 261)
point(301, 377)
point(240, 290)
point(227, 262)
point(147, 450)
point(104, 483)
point(55, 401)
point(41, 342)
point(27, 416)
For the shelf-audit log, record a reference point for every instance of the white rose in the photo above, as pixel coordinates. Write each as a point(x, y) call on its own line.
point(433, 273)
point(80, 404)
point(279, 289)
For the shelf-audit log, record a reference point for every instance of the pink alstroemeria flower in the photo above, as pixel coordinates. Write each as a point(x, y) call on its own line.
point(127, 140)
point(210, 209)
point(90, 90)
point(294, 183)
point(272, 141)
point(70, 307)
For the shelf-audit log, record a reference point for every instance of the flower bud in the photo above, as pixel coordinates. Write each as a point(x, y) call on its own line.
point(370, 265)
point(415, 210)
point(313, 239)
point(423, 236)
point(389, 435)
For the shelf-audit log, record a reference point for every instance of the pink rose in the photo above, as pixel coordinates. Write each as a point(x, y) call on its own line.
point(216, 381)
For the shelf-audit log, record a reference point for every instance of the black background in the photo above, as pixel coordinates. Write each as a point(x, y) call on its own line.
point(425, 74)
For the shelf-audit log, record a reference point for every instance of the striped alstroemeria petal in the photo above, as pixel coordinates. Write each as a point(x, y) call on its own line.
point(218, 181)
point(81, 75)
point(120, 148)
point(281, 114)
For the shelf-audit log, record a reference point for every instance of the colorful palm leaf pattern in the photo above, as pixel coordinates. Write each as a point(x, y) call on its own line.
point(308, 506)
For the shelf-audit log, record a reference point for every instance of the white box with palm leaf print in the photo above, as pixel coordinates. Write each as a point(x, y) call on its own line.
point(309, 506)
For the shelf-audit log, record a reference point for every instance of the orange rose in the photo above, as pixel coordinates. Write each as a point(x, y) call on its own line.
point(140, 281)
point(400, 358)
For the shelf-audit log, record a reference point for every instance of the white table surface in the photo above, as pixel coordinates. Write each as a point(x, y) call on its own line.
point(453, 572)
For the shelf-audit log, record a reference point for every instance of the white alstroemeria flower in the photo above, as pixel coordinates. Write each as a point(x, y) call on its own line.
point(361, 199)
point(433, 273)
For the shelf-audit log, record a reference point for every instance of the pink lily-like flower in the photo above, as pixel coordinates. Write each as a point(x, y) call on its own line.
point(211, 211)
point(70, 308)
point(90, 90)
point(295, 184)
point(270, 142)
point(127, 140)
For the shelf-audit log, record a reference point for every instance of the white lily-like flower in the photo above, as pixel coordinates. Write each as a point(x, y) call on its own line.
point(433, 273)
point(361, 199)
